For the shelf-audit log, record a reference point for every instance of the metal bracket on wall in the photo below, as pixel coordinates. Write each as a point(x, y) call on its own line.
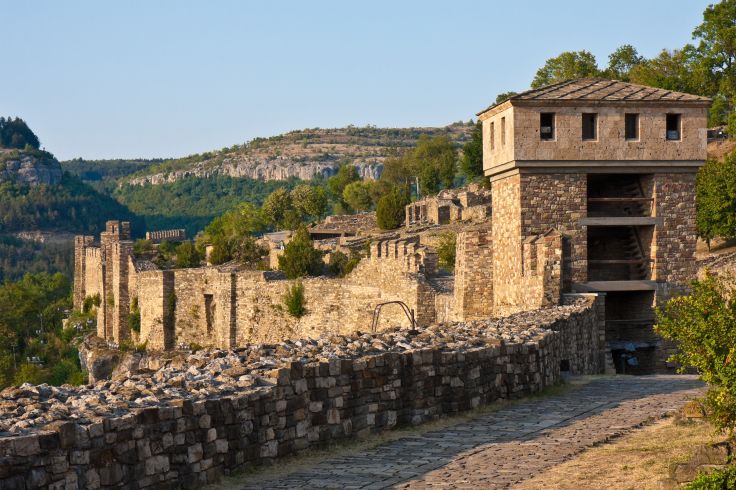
point(407, 311)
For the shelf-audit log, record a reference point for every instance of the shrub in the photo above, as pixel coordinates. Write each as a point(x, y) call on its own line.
point(294, 300)
point(141, 247)
point(722, 479)
point(187, 255)
point(134, 318)
point(390, 211)
point(341, 265)
point(446, 250)
point(300, 258)
point(703, 323)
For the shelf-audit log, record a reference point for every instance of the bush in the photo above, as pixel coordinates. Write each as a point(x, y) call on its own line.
point(703, 323)
point(294, 300)
point(390, 210)
point(300, 258)
point(187, 255)
point(341, 265)
point(724, 479)
point(446, 250)
point(141, 247)
point(134, 318)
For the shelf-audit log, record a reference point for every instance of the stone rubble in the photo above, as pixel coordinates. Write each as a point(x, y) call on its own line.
point(217, 373)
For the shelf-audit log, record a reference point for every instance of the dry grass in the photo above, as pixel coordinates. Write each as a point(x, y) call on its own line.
point(638, 460)
point(310, 457)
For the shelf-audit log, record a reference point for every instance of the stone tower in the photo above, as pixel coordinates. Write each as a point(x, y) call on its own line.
point(115, 251)
point(611, 166)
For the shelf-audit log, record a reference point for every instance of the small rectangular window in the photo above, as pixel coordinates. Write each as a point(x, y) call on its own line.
point(631, 126)
point(673, 127)
point(493, 136)
point(547, 125)
point(503, 131)
point(590, 123)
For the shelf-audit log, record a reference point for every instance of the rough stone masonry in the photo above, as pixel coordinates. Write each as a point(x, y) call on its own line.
point(189, 423)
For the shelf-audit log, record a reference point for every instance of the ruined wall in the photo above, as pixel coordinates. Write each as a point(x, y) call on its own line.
point(189, 442)
point(215, 308)
point(92, 272)
point(473, 291)
point(80, 263)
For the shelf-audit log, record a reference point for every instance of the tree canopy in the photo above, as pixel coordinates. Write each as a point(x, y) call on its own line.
point(15, 133)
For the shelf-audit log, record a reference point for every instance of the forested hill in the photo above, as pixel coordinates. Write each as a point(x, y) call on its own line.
point(302, 154)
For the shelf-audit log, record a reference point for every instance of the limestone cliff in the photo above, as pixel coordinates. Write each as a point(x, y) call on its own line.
point(33, 167)
point(301, 154)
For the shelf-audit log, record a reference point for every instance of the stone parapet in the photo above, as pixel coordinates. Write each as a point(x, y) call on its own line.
point(221, 411)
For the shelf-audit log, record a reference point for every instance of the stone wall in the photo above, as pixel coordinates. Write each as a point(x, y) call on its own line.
point(80, 264)
point(290, 401)
point(219, 308)
point(473, 291)
point(530, 256)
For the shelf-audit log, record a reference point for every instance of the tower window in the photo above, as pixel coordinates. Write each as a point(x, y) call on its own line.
point(590, 126)
point(673, 127)
point(493, 136)
point(547, 125)
point(631, 126)
point(503, 131)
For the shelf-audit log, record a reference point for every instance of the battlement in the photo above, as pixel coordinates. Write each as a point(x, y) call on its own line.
point(408, 255)
point(176, 235)
point(118, 229)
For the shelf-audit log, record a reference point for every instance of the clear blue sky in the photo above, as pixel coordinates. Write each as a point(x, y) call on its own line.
point(101, 79)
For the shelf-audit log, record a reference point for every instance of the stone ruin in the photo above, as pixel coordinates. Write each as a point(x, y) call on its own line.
point(593, 207)
point(471, 203)
point(199, 416)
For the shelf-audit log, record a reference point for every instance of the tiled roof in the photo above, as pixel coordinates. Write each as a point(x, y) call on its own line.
point(603, 90)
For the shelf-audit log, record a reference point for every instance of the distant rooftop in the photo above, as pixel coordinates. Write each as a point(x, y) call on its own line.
point(602, 90)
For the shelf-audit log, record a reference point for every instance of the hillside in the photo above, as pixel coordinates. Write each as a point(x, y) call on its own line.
point(302, 154)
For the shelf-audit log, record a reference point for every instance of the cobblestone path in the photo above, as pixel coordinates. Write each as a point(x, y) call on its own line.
point(499, 449)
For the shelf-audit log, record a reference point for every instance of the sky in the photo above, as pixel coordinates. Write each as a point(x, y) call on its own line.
point(145, 79)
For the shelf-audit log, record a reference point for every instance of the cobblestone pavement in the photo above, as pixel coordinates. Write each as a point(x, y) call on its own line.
point(499, 449)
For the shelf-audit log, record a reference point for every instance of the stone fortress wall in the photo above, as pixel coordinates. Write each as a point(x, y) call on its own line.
point(291, 405)
point(221, 307)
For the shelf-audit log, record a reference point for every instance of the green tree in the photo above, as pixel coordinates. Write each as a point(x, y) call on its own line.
point(715, 194)
point(621, 61)
point(15, 133)
point(187, 255)
point(679, 70)
point(309, 201)
point(247, 251)
point(446, 250)
point(471, 164)
point(300, 258)
point(435, 161)
point(703, 323)
point(346, 174)
point(566, 66)
point(505, 95)
point(276, 207)
point(717, 45)
point(359, 195)
point(390, 210)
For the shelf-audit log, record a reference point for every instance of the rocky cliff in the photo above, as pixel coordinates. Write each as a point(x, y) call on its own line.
point(32, 167)
point(301, 154)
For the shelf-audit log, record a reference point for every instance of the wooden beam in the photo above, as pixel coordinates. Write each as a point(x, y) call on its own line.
point(621, 221)
point(613, 286)
point(620, 199)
